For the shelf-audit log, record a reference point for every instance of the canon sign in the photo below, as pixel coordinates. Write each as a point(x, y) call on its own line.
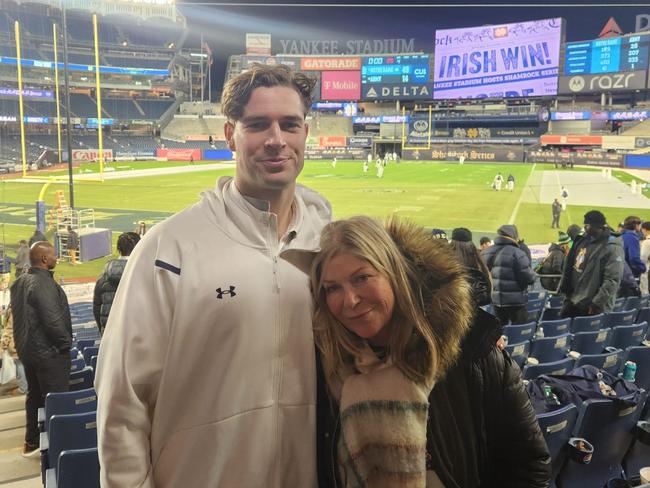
point(634, 80)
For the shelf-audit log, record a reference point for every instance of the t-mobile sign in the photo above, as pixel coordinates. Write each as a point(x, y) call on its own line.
point(508, 60)
point(341, 85)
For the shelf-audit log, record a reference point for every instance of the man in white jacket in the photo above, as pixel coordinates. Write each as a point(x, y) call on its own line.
point(206, 372)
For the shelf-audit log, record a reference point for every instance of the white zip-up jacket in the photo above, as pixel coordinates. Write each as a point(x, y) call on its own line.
point(206, 372)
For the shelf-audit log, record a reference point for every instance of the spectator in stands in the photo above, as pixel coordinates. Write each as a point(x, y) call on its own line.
point(419, 332)
point(556, 208)
point(438, 234)
point(72, 245)
point(593, 270)
point(631, 245)
point(216, 381)
point(511, 273)
point(574, 231)
point(22, 258)
point(645, 256)
point(485, 242)
point(107, 283)
point(37, 237)
point(468, 255)
point(7, 344)
point(42, 334)
point(553, 262)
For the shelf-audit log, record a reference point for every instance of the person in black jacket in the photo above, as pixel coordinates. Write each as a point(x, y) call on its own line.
point(106, 285)
point(482, 430)
point(511, 275)
point(553, 263)
point(42, 334)
point(478, 274)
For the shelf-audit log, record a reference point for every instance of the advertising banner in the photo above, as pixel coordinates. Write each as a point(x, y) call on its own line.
point(401, 77)
point(629, 115)
point(641, 142)
point(258, 43)
point(89, 155)
point(179, 154)
point(509, 60)
point(332, 141)
point(247, 61)
point(404, 91)
point(637, 160)
point(217, 154)
point(359, 141)
point(341, 85)
point(340, 153)
point(612, 82)
point(419, 130)
point(618, 142)
point(545, 140)
point(604, 159)
point(475, 154)
point(330, 64)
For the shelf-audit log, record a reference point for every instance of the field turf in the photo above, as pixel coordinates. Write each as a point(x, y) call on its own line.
point(442, 195)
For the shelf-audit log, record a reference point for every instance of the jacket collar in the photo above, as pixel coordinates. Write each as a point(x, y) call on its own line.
point(41, 271)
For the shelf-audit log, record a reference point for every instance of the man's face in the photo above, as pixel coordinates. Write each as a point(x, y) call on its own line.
point(593, 231)
point(269, 140)
point(49, 258)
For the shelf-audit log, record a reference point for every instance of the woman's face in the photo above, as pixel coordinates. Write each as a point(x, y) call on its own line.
point(359, 296)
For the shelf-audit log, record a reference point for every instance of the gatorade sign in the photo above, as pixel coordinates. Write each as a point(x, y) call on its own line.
point(330, 64)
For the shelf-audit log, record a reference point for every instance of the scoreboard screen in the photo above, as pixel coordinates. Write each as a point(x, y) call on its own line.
point(394, 70)
point(607, 55)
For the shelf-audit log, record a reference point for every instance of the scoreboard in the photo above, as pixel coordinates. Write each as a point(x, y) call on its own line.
point(607, 55)
point(395, 70)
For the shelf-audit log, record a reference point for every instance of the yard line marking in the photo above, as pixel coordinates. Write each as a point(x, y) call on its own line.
point(521, 197)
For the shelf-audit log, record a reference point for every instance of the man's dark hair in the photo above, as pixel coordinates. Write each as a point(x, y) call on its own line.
point(126, 242)
point(237, 91)
point(645, 225)
point(484, 240)
point(631, 222)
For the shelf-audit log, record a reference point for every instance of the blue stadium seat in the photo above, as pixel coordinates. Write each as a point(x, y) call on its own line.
point(535, 308)
point(555, 301)
point(519, 352)
point(74, 353)
point(644, 301)
point(77, 365)
point(632, 303)
point(84, 343)
point(93, 363)
point(78, 468)
point(67, 402)
point(550, 349)
point(563, 366)
point(619, 304)
point(557, 427)
point(555, 327)
point(638, 456)
point(81, 380)
point(624, 317)
point(643, 315)
point(521, 332)
point(609, 361)
point(74, 431)
point(591, 342)
point(89, 352)
point(551, 313)
point(587, 324)
point(641, 356)
point(625, 336)
point(608, 427)
point(536, 295)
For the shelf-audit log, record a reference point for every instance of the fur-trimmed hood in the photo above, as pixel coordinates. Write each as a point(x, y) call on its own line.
point(443, 282)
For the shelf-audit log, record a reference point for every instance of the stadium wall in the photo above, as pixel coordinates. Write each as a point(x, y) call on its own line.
point(481, 153)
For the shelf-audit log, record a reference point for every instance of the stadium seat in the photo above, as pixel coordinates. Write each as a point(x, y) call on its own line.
point(625, 336)
point(641, 356)
point(555, 301)
point(643, 315)
point(619, 304)
point(632, 303)
point(644, 301)
point(74, 353)
point(624, 317)
point(591, 342)
point(77, 364)
point(587, 324)
point(557, 427)
point(74, 431)
point(81, 380)
point(608, 426)
point(89, 352)
point(638, 456)
point(537, 295)
point(67, 402)
point(93, 363)
point(551, 313)
point(563, 366)
point(609, 361)
point(553, 328)
point(84, 343)
point(78, 468)
point(520, 333)
point(535, 308)
point(550, 349)
point(519, 352)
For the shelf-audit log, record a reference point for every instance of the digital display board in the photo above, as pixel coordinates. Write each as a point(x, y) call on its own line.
point(507, 60)
point(84, 67)
point(393, 70)
point(607, 55)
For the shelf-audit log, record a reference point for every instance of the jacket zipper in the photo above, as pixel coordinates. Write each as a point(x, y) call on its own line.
point(272, 240)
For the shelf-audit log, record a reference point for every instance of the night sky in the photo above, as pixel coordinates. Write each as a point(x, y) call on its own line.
point(224, 27)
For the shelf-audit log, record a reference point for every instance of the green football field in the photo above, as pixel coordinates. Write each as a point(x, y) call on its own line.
point(442, 195)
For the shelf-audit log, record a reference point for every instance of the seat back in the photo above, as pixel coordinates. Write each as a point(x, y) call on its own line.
point(641, 356)
point(591, 342)
point(520, 332)
point(89, 352)
point(74, 353)
point(619, 304)
point(78, 468)
point(552, 313)
point(519, 352)
point(625, 336)
point(562, 366)
point(644, 301)
point(632, 303)
point(587, 324)
point(609, 361)
point(608, 426)
point(84, 343)
point(535, 303)
point(537, 295)
point(556, 300)
point(77, 364)
point(557, 427)
point(643, 315)
point(68, 402)
point(93, 364)
point(624, 317)
point(554, 328)
point(74, 431)
point(550, 349)
point(80, 380)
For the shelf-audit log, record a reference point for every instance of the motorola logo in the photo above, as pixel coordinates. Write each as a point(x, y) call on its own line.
point(576, 84)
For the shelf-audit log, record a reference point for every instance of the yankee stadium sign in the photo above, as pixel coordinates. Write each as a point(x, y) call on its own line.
point(353, 46)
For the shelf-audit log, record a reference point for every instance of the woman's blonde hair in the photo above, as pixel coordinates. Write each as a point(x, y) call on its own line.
point(412, 347)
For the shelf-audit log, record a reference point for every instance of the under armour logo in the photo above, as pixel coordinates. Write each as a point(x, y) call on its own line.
point(221, 293)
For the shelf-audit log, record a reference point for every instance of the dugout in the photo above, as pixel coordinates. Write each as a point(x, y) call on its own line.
point(380, 147)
